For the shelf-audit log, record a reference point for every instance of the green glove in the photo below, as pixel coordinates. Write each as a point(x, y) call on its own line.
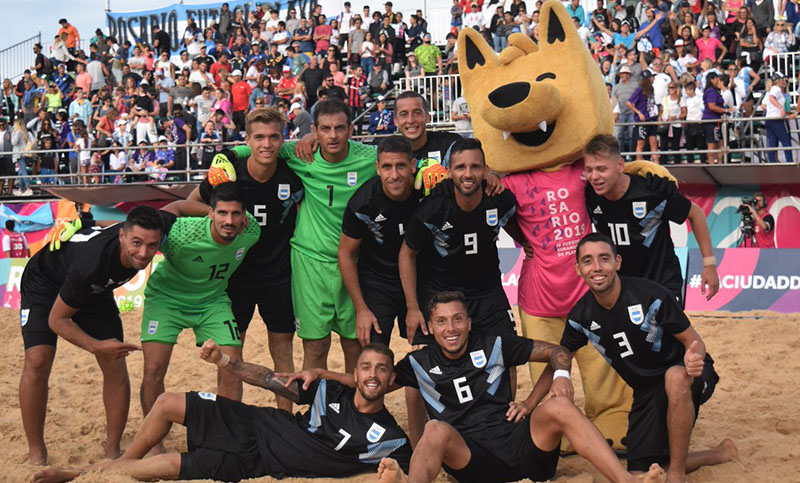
point(62, 233)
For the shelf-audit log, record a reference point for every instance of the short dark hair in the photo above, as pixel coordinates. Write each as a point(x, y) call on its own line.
point(709, 77)
point(380, 348)
point(412, 95)
point(10, 224)
point(446, 298)
point(467, 144)
point(229, 191)
point(331, 106)
point(145, 217)
point(595, 238)
point(604, 145)
point(395, 144)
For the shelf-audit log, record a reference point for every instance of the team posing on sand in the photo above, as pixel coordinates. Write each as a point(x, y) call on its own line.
point(263, 231)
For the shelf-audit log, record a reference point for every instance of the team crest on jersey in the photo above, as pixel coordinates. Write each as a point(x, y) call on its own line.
point(284, 190)
point(491, 217)
point(636, 314)
point(23, 316)
point(240, 253)
point(352, 178)
point(375, 433)
point(152, 327)
point(208, 395)
point(639, 209)
point(478, 358)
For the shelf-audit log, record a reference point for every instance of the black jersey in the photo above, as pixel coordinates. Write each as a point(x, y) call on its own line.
point(438, 147)
point(637, 223)
point(331, 439)
point(470, 393)
point(274, 205)
point(85, 271)
point(635, 336)
point(458, 249)
point(380, 223)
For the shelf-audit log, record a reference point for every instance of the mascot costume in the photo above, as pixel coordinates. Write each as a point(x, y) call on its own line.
point(534, 108)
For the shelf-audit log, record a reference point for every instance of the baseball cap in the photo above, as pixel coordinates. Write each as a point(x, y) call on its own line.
point(162, 138)
point(679, 43)
point(286, 68)
point(777, 75)
point(295, 105)
point(625, 70)
point(388, 4)
point(236, 72)
point(647, 73)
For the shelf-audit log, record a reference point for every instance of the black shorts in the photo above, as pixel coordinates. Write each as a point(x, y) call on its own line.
point(222, 441)
point(274, 305)
point(490, 314)
point(388, 303)
point(520, 459)
point(645, 132)
point(712, 133)
point(647, 439)
point(100, 321)
point(7, 166)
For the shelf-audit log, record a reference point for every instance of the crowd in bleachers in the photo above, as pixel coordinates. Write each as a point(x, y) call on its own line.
point(661, 61)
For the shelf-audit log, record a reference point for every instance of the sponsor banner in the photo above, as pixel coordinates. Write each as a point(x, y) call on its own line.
point(750, 279)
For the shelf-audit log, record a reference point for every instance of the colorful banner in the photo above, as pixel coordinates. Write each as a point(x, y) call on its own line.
point(750, 279)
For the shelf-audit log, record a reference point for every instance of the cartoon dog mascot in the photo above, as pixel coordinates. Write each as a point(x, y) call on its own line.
point(534, 108)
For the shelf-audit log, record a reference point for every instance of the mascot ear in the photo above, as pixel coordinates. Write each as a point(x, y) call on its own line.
point(556, 27)
point(476, 51)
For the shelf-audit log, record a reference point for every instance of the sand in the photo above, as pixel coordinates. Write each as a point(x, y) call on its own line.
point(757, 402)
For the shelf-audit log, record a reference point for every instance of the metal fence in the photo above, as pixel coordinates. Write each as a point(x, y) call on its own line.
point(15, 59)
point(787, 64)
point(439, 90)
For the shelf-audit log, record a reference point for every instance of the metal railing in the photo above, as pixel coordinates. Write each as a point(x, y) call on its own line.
point(787, 64)
point(15, 59)
point(439, 90)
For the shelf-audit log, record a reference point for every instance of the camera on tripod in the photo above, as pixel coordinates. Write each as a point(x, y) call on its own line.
point(748, 228)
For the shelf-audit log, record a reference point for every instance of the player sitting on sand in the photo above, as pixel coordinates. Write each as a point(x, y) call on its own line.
point(476, 431)
point(345, 432)
point(639, 329)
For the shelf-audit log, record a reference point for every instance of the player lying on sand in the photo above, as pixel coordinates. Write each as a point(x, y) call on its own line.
point(475, 430)
point(345, 432)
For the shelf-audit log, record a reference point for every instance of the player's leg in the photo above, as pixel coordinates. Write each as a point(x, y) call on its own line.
point(161, 325)
point(216, 321)
point(417, 416)
point(313, 307)
point(116, 400)
point(169, 408)
point(40, 351)
point(558, 416)
point(344, 322)
point(159, 467)
point(156, 357)
point(440, 444)
point(243, 304)
point(275, 307)
point(33, 392)
point(680, 419)
point(281, 349)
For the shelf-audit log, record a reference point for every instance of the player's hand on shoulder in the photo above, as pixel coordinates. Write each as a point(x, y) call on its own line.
point(429, 173)
point(494, 185)
point(562, 386)
point(414, 320)
point(365, 321)
point(114, 349)
point(306, 147)
point(210, 351)
point(62, 233)
point(517, 411)
point(307, 377)
point(222, 169)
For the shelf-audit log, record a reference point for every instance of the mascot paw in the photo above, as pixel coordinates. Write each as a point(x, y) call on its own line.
point(643, 168)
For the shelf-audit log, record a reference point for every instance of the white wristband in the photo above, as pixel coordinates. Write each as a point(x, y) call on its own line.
point(560, 373)
point(709, 261)
point(224, 360)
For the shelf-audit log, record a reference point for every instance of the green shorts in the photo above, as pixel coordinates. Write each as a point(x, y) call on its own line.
point(162, 323)
point(320, 299)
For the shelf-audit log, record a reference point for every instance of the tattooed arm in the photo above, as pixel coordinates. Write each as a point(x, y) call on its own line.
point(252, 374)
point(558, 359)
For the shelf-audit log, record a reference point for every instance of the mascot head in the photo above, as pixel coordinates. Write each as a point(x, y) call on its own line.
point(534, 107)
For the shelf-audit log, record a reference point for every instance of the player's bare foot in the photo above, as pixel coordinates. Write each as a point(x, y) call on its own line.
point(727, 450)
point(654, 475)
point(389, 472)
point(37, 457)
point(112, 453)
point(54, 475)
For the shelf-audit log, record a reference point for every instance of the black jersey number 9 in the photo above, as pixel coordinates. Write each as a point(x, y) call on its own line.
point(218, 271)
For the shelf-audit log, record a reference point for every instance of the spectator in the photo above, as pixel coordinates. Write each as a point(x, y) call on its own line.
point(672, 110)
point(763, 14)
point(779, 41)
point(622, 93)
point(287, 84)
point(117, 163)
point(179, 133)
point(642, 103)
point(142, 157)
point(80, 108)
point(162, 43)
point(461, 117)
point(367, 53)
point(413, 69)
point(221, 68)
point(575, 10)
point(378, 80)
point(357, 93)
point(305, 35)
point(474, 18)
point(275, 58)
point(73, 37)
point(183, 62)
point(714, 108)
point(122, 134)
point(240, 99)
point(164, 155)
point(322, 35)
point(429, 56)
point(775, 107)
point(9, 101)
point(15, 245)
point(225, 21)
point(200, 74)
point(750, 44)
point(312, 77)
point(300, 119)
point(292, 22)
point(211, 140)
point(333, 90)
point(179, 94)
point(6, 161)
point(355, 40)
point(48, 162)
point(83, 142)
point(332, 57)
point(203, 106)
point(707, 46)
point(456, 14)
point(338, 76)
point(298, 61)
point(53, 99)
point(653, 34)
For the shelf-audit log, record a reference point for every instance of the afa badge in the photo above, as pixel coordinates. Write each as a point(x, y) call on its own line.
point(478, 358)
point(352, 178)
point(491, 217)
point(375, 432)
point(208, 395)
point(240, 253)
point(636, 314)
point(639, 209)
point(152, 327)
point(284, 190)
point(23, 316)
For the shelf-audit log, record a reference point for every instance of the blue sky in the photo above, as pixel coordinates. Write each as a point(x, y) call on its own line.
point(24, 18)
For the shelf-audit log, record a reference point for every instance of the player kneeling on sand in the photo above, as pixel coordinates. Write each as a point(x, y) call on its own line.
point(345, 432)
point(642, 333)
